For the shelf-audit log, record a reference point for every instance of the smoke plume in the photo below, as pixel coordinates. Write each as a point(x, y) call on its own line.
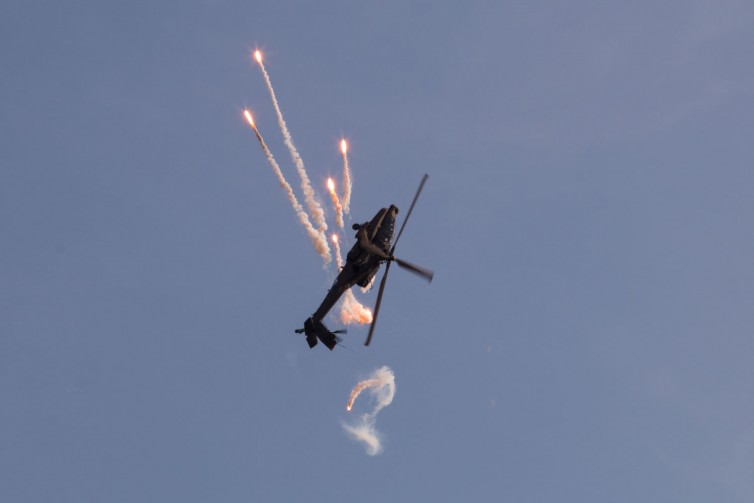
point(352, 311)
point(381, 386)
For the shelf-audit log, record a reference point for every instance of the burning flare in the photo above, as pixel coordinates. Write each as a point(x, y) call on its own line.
point(249, 118)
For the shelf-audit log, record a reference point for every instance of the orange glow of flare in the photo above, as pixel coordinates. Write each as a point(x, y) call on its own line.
point(364, 317)
point(343, 146)
point(258, 56)
point(351, 311)
point(249, 118)
point(331, 185)
point(334, 238)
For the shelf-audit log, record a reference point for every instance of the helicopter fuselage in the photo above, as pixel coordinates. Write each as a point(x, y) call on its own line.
point(360, 267)
point(361, 264)
point(374, 246)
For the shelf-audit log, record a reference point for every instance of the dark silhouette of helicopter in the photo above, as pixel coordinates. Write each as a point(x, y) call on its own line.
point(372, 248)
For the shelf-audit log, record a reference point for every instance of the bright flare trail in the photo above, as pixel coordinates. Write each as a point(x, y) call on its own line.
point(335, 202)
point(320, 244)
point(315, 209)
point(346, 178)
point(369, 383)
point(381, 384)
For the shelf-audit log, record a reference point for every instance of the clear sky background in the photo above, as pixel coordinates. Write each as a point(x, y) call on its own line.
point(589, 333)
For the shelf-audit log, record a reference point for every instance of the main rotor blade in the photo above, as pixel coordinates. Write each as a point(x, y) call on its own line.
point(377, 305)
point(411, 208)
point(425, 273)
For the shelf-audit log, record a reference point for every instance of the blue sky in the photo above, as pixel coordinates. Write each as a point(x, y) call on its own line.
point(588, 335)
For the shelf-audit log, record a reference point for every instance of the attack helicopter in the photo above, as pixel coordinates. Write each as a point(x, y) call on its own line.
point(372, 248)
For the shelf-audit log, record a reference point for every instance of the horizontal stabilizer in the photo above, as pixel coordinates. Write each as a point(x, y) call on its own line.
point(315, 329)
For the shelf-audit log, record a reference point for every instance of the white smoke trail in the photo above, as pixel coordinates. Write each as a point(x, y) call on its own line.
point(315, 209)
point(346, 178)
point(320, 244)
point(338, 256)
point(369, 286)
point(381, 385)
point(336, 203)
point(352, 311)
point(356, 391)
